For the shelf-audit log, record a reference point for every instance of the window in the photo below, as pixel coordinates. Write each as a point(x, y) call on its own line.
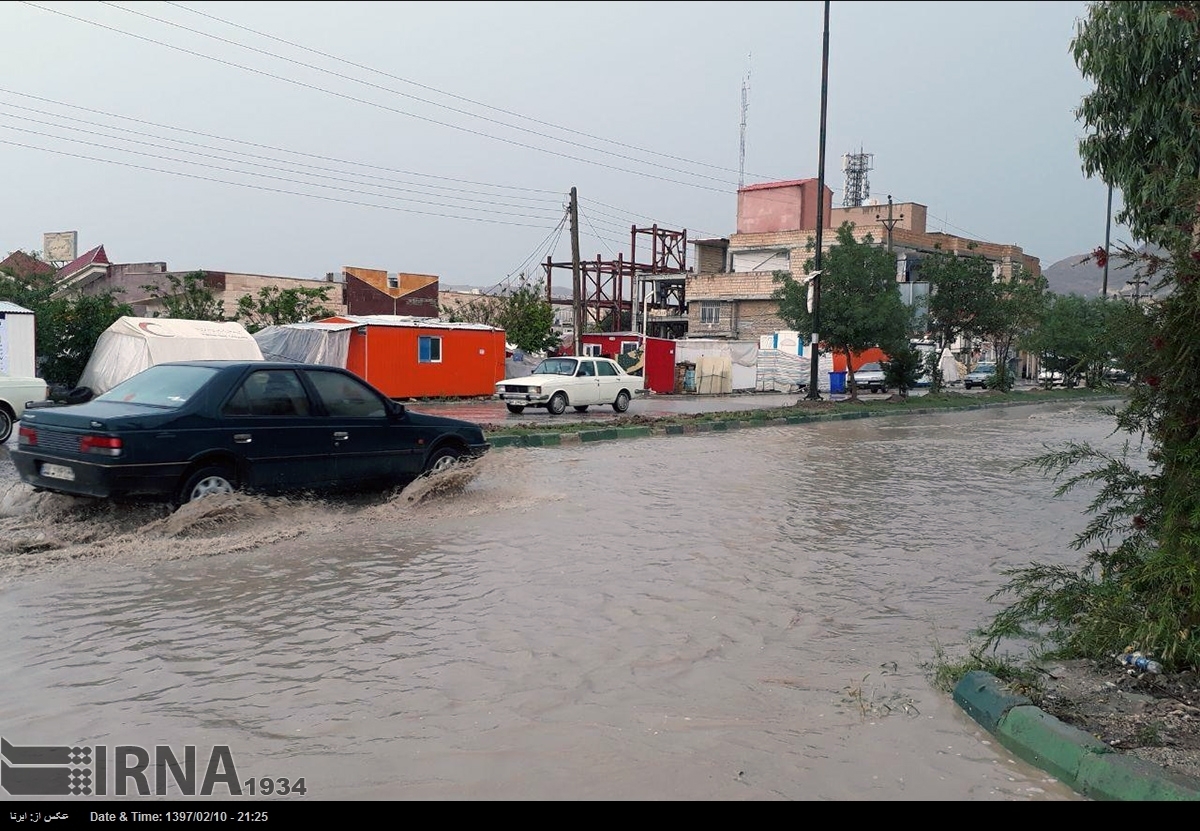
point(429, 349)
point(710, 312)
point(607, 369)
point(629, 346)
point(347, 397)
point(587, 369)
point(269, 393)
point(592, 349)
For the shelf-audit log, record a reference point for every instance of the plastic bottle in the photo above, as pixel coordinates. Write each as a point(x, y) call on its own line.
point(1138, 661)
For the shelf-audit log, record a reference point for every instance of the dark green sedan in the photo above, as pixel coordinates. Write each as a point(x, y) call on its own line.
point(181, 431)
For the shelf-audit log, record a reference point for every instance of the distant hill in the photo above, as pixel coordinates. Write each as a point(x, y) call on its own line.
point(1079, 274)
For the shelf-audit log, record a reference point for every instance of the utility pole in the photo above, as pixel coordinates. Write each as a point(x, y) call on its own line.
point(814, 394)
point(576, 281)
point(889, 223)
point(1107, 243)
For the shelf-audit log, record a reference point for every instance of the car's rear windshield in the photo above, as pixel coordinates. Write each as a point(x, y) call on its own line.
point(161, 386)
point(870, 368)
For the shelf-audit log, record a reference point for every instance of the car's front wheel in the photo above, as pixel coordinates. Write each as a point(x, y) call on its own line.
point(622, 402)
point(558, 403)
point(6, 424)
point(215, 479)
point(515, 409)
point(442, 459)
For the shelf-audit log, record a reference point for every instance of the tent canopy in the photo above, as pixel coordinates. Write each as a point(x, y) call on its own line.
point(132, 344)
point(306, 343)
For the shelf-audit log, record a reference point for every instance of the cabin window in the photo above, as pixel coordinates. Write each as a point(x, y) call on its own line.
point(592, 349)
point(429, 349)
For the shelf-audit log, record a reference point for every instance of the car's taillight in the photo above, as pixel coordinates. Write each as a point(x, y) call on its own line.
point(101, 445)
point(26, 436)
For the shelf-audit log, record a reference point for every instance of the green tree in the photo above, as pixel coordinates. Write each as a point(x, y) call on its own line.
point(1140, 583)
point(521, 310)
point(274, 306)
point(1012, 319)
point(961, 302)
point(860, 303)
point(186, 298)
point(75, 323)
point(903, 368)
point(1077, 336)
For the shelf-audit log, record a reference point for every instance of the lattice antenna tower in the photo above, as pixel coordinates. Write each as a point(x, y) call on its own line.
point(745, 109)
point(858, 187)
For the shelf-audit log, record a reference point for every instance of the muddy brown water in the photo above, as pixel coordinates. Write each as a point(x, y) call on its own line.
point(746, 616)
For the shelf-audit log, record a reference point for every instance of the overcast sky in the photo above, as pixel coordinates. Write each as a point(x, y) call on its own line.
point(442, 138)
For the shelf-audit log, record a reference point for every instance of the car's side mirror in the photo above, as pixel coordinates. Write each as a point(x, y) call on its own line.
point(396, 411)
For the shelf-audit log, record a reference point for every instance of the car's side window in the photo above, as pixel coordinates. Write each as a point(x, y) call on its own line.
point(269, 392)
point(606, 368)
point(586, 369)
point(347, 397)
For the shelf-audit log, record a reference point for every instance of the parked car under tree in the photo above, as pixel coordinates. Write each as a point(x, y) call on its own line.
point(180, 431)
point(558, 383)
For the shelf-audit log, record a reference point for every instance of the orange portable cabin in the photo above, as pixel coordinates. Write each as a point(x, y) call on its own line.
point(417, 357)
point(874, 354)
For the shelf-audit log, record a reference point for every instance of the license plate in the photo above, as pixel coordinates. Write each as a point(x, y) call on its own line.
point(58, 472)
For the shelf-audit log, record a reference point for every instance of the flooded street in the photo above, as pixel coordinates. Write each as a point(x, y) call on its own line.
point(743, 616)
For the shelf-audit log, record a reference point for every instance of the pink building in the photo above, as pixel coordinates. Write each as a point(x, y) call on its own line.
point(781, 206)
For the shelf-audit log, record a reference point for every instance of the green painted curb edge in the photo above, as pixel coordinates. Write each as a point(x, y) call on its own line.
point(1076, 758)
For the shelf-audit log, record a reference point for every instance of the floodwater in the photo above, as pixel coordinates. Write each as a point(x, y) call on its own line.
point(745, 616)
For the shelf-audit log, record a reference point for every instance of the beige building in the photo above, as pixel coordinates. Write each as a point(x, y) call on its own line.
point(730, 294)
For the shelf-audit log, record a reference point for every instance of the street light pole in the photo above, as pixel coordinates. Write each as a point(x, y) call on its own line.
point(814, 394)
point(1107, 243)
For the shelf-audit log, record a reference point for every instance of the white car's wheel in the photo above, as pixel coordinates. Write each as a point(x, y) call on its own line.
point(515, 409)
point(6, 424)
point(622, 402)
point(558, 403)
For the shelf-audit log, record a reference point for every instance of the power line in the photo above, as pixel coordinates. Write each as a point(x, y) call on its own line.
point(339, 178)
point(272, 147)
point(376, 104)
point(265, 188)
point(448, 94)
point(263, 175)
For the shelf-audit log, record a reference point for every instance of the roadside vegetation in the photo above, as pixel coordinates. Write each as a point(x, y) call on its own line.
point(1137, 586)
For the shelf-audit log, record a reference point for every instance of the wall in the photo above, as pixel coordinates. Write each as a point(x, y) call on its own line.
point(363, 298)
point(914, 217)
point(781, 206)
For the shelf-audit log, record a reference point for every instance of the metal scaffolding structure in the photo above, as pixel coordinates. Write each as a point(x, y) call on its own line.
point(611, 290)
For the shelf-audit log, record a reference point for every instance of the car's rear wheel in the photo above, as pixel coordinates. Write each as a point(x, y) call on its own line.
point(6, 424)
point(558, 403)
point(207, 481)
point(622, 402)
point(442, 460)
point(582, 408)
point(516, 409)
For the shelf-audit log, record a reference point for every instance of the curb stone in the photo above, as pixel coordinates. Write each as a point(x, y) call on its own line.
point(1075, 757)
point(501, 440)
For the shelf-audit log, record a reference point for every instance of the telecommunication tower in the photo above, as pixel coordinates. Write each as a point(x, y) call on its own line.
point(745, 109)
point(858, 188)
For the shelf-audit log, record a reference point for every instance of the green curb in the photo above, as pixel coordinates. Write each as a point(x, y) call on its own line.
point(633, 432)
point(1076, 758)
point(597, 435)
point(1048, 743)
point(1129, 779)
point(986, 699)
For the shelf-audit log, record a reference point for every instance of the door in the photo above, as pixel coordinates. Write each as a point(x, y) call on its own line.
point(271, 424)
point(610, 381)
point(369, 445)
point(586, 389)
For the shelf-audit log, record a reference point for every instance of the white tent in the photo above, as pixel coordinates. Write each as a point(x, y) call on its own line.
point(132, 344)
point(950, 368)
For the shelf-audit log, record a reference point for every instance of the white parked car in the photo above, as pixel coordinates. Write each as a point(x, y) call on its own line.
point(15, 393)
point(580, 382)
point(870, 377)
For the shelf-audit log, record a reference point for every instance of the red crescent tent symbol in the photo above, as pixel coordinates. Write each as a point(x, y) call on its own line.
point(146, 325)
